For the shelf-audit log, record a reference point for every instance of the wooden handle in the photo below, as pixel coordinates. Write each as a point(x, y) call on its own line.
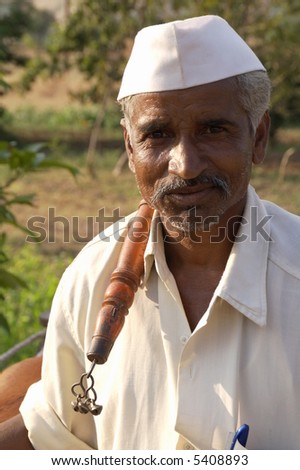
point(124, 282)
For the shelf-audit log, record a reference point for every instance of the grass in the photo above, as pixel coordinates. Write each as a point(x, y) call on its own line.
point(23, 307)
point(74, 206)
point(69, 202)
point(284, 192)
point(75, 121)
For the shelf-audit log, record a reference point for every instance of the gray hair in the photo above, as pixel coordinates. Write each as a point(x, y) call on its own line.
point(254, 94)
point(253, 91)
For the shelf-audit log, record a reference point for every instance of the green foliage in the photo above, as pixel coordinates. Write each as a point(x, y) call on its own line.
point(13, 25)
point(271, 28)
point(41, 22)
point(22, 308)
point(67, 118)
point(19, 161)
point(21, 23)
point(15, 163)
point(70, 118)
point(96, 39)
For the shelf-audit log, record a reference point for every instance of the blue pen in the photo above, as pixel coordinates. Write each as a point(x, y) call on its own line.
point(241, 436)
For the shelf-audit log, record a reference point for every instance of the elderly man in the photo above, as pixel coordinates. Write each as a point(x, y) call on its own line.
point(212, 337)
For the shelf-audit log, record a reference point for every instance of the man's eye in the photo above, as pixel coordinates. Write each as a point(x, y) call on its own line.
point(157, 134)
point(214, 130)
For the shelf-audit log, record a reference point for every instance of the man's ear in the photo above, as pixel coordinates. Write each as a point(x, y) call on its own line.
point(261, 139)
point(128, 146)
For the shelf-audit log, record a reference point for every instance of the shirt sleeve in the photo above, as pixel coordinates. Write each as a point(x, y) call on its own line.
point(48, 414)
point(46, 410)
point(45, 429)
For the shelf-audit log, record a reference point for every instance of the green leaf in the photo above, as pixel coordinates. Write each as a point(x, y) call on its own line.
point(3, 238)
point(10, 281)
point(6, 216)
point(4, 154)
point(4, 85)
point(36, 147)
point(30, 159)
point(49, 163)
point(3, 257)
point(23, 199)
point(3, 323)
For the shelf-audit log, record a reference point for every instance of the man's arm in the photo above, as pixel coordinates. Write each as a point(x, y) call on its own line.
point(14, 435)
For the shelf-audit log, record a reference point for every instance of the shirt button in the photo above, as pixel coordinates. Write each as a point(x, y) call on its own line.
point(183, 339)
point(188, 447)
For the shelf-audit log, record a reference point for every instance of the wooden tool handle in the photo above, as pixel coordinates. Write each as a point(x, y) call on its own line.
point(124, 282)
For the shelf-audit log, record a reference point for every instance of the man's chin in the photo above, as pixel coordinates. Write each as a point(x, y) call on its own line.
point(189, 222)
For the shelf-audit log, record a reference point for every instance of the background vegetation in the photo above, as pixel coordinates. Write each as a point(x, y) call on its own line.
point(58, 84)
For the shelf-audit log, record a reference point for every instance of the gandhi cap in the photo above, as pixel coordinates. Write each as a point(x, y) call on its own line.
point(183, 54)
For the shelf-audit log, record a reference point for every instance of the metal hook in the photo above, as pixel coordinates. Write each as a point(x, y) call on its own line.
point(89, 374)
point(84, 403)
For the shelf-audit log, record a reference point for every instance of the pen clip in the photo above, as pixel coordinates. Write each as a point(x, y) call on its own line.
point(240, 436)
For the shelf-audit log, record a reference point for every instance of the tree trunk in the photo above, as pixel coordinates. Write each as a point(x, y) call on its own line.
point(94, 137)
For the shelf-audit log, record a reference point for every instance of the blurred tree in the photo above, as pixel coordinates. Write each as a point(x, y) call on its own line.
point(15, 162)
point(97, 36)
point(96, 39)
point(20, 20)
point(16, 19)
point(271, 28)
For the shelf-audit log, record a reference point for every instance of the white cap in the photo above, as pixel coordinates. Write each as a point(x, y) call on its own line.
point(183, 54)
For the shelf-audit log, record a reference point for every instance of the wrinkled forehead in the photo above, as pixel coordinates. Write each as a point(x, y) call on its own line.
point(190, 108)
point(219, 94)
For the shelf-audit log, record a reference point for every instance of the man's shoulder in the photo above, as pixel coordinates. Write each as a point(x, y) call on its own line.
point(103, 247)
point(284, 223)
point(285, 238)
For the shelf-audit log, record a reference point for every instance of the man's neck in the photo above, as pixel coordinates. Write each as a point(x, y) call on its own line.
point(197, 266)
point(208, 249)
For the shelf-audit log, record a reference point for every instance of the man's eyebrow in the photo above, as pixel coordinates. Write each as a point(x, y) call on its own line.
point(215, 122)
point(146, 126)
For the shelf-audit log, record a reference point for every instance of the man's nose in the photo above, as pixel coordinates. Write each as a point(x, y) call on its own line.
point(186, 160)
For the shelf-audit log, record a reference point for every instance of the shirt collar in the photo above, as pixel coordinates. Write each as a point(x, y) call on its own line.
point(243, 284)
point(155, 246)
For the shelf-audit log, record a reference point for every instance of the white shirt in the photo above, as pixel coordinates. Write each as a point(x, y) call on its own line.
point(164, 387)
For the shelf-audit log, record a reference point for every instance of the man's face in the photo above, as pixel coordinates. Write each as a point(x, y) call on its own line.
point(192, 151)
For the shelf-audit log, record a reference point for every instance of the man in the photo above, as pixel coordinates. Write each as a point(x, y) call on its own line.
point(211, 340)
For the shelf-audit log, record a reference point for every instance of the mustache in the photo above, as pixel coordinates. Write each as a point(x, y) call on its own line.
point(179, 183)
